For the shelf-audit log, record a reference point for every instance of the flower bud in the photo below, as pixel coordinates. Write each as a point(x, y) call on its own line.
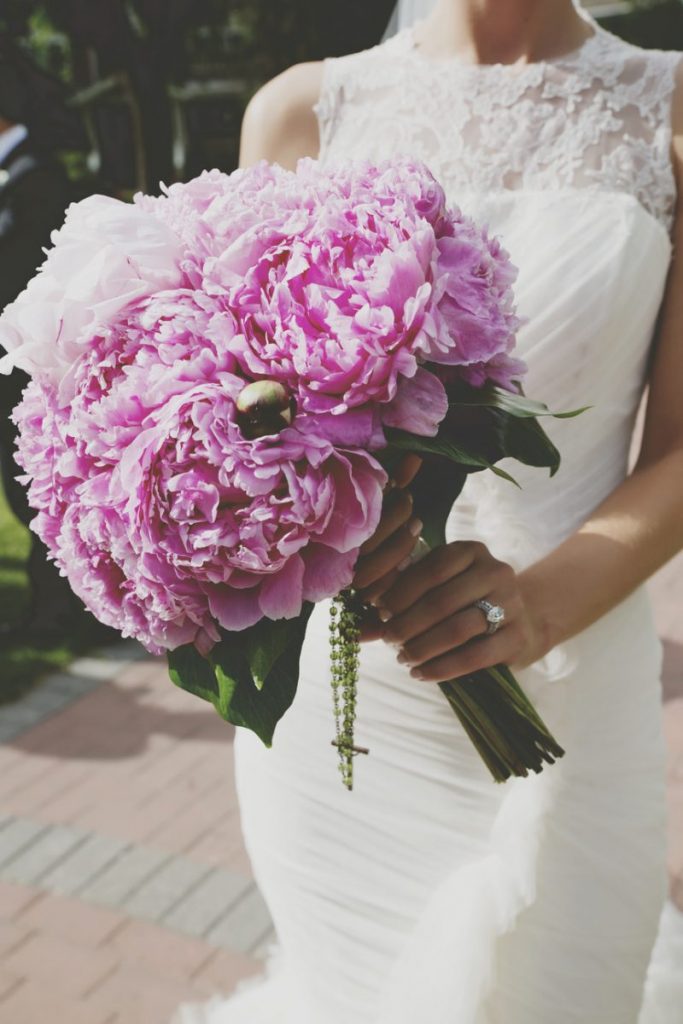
point(264, 407)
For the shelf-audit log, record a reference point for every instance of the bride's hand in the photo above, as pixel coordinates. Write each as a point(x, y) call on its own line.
point(429, 614)
point(390, 546)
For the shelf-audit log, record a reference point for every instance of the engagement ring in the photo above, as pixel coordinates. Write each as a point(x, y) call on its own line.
point(495, 615)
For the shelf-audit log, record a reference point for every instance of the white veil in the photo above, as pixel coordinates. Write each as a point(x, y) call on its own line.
point(407, 12)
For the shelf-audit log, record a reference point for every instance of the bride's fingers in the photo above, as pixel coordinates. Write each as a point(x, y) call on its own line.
point(407, 469)
point(437, 567)
point(393, 552)
point(441, 602)
point(371, 626)
point(371, 594)
point(396, 510)
point(482, 652)
point(452, 632)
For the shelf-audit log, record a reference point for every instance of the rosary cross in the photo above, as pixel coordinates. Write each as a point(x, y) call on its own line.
point(346, 748)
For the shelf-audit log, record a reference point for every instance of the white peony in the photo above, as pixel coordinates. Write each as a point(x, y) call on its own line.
point(107, 254)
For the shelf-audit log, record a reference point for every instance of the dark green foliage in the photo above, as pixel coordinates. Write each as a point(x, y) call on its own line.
point(15, 14)
point(251, 676)
point(312, 29)
point(434, 491)
point(657, 25)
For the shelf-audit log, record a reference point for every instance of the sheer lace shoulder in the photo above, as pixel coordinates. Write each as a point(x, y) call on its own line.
point(597, 118)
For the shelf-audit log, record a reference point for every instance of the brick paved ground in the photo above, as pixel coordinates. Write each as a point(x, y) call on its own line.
point(124, 885)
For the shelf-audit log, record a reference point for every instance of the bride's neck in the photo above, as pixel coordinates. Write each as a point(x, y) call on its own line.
point(503, 31)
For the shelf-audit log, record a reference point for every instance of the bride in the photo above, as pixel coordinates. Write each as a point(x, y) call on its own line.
point(429, 893)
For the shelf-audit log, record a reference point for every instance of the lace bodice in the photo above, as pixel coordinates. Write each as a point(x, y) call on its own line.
point(597, 118)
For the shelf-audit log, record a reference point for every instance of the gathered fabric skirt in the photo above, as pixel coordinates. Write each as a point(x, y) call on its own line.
point(429, 892)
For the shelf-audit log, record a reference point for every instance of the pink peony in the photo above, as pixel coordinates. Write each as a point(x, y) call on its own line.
point(355, 295)
point(344, 283)
point(167, 521)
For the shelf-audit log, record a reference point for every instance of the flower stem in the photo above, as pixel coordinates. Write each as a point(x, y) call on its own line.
point(503, 724)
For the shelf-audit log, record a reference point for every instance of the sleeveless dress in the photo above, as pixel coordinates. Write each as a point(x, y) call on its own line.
point(429, 893)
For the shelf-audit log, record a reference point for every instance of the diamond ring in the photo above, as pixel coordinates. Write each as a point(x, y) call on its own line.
point(495, 615)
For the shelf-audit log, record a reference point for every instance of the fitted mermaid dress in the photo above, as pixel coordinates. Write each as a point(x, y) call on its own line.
point(429, 893)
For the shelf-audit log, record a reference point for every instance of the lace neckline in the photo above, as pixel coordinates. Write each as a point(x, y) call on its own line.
point(571, 58)
point(597, 117)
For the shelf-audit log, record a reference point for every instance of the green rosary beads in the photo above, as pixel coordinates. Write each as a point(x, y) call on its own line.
point(345, 614)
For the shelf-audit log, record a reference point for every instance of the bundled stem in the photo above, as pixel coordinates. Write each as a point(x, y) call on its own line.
point(502, 723)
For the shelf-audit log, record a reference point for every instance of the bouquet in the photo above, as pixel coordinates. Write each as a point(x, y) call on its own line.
point(222, 379)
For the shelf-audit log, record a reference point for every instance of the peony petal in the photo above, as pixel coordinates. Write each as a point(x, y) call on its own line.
point(235, 610)
point(420, 404)
point(327, 572)
point(282, 595)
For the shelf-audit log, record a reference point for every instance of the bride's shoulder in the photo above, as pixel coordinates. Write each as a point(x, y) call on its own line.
point(279, 123)
point(283, 119)
point(288, 116)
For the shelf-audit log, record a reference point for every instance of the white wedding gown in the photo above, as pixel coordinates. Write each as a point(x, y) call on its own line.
point(429, 893)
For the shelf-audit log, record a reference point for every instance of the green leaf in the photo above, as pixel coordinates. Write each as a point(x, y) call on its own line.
point(260, 709)
point(190, 671)
point(263, 655)
point(525, 440)
point(435, 489)
point(467, 458)
point(492, 434)
point(507, 401)
point(250, 676)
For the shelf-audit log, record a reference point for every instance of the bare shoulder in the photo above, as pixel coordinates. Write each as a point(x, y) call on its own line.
point(280, 124)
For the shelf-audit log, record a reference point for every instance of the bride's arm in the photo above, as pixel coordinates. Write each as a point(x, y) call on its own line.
point(279, 123)
point(640, 525)
point(635, 531)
